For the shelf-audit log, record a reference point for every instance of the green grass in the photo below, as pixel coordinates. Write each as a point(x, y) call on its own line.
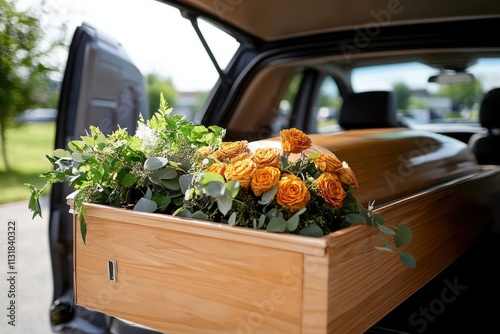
point(27, 147)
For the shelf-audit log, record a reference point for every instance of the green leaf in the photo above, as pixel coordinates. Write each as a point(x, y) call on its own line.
point(224, 203)
point(60, 153)
point(83, 229)
point(145, 205)
point(89, 141)
point(386, 230)
point(185, 182)
point(268, 196)
point(407, 259)
point(172, 184)
point(384, 249)
point(166, 173)
point(276, 225)
point(209, 177)
point(232, 219)
point(354, 218)
point(314, 156)
point(293, 222)
point(148, 194)
point(377, 219)
point(232, 188)
point(199, 215)
point(262, 220)
point(155, 163)
point(312, 230)
point(215, 189)
point(128, 180)
point(403, 235)
point(76, 146)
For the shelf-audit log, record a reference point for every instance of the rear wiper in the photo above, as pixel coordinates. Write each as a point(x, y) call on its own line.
point(194, 22)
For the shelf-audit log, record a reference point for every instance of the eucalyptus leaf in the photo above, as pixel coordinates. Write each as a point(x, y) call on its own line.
point(233, 187)
point(312, 230)
point(166, 173)
point(224, 203)
point(89, 141)
point(403, 235)
point(276, 225)
point(384, 249)
point(407, 259)
point(386, 230)
point(209, 177)
point(377, 219)
point(172, 184)
point(145, 205)
point(292, 223)
point(262, 220)
point(199, 215)
point(354, 218)
point(148, 194)
point(183, 212)
point(155, 163)
point(77, 157)
point(185, 181)
point(268, 196)
point(215, 189)
point(232, 219)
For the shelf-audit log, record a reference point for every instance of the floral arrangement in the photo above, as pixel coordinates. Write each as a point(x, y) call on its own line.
point(172, 166)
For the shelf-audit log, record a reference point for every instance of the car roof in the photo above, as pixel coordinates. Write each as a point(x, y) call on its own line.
point(282, 19)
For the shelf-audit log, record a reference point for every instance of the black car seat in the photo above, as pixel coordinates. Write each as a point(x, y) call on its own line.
point(374, 109)
point(486, 146)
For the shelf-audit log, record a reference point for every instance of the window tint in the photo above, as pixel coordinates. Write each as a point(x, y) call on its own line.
point(284, 115)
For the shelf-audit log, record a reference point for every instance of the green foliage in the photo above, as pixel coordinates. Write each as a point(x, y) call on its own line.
point(156, 86)
point(403, 93)
point(462, 95)
point(25, 62)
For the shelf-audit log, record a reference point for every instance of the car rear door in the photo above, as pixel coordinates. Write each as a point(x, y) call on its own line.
point(101, 87)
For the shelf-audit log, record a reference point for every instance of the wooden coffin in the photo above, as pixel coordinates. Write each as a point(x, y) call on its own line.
point(179, 275)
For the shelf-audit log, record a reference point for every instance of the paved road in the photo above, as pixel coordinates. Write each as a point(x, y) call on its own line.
point(33, 286)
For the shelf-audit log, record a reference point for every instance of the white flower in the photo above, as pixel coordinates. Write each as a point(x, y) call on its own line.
point(148, 136)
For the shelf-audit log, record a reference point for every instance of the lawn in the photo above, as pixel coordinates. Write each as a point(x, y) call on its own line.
point(26, 149)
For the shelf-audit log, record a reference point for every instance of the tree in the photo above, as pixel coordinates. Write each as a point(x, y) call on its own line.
point(463, 95)
point(156, 85)
point(403, 93)
point(24, 61)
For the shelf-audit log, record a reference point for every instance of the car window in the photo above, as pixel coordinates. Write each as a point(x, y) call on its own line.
point(422, 103)
point(327, 106)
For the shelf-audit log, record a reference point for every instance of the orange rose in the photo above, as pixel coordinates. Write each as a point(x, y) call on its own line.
point(233, 148)
point(328, 163)
point(218, 155)
point(242, 171)
point(330, 189)
point(264, 179)
point(346, 175)
point(292, 192)
point(244, 155)
point(266, 157)
point(294, 140)
point(217, 167)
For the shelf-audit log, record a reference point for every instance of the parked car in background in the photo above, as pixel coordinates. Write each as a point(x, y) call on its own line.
point(38, 115)
point(425, 65)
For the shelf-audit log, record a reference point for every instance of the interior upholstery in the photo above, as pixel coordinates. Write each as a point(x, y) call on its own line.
point(486, 146)
point(375, 109)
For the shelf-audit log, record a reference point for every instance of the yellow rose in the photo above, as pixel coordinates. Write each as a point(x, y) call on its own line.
point(330, 189)
point(217, 167)
point(264, 179)
point(204, 150)
point(346, 175)
point(234, 148)
point(266, 157)
point(328, 163)
point(242, 171)
point(294, 140)
point(292, 192)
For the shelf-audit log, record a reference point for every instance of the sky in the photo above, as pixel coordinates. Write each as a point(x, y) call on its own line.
point(155, 36)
